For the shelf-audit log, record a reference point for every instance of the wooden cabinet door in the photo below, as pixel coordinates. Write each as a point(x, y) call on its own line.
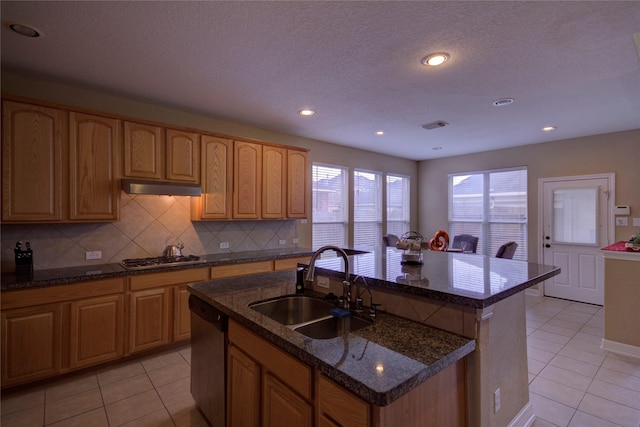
point(247, 175)
point(93, 166)
point(243, 390)
point(31, 162)
point(216, 179)
point(96, 330)
point(183, 153)
point(144, 151)
point(149, 319)
point(297, 184)
point(338, 407)
point(31, 343)
point(274, 182)
point(181, 313)
point(282, 407)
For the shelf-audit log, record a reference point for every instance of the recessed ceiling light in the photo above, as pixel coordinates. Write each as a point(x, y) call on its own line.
point(25, 30)
point(502, 102)
point(306, 112)
point(379, 132)
point(436, 59)
point(549, 128)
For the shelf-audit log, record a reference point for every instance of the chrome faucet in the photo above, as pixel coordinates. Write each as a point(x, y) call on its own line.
point(346, 286)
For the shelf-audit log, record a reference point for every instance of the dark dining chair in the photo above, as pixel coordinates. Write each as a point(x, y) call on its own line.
point(507, 250)
point(390, 240)
point(466, 242)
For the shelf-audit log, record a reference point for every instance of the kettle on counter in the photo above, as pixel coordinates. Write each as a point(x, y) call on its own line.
point(173, 251)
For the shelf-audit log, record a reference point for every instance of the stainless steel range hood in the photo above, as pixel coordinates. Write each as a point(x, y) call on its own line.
point(160, 188)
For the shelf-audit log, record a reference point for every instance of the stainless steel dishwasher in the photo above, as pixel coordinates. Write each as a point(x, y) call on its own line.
point(208, 360)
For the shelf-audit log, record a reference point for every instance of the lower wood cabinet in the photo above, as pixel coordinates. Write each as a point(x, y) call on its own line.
point(159, 308)
point(89, 316)
point(31, 343)
point(268, 387)
point(53, 330)
point(265, 385)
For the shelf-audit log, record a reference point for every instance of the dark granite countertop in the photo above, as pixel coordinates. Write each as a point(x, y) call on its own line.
point(58, 276)
point(466, 279)
point(378, 363)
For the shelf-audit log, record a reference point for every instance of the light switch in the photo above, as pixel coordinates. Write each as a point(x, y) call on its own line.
point(636, 222)
point(622, 221)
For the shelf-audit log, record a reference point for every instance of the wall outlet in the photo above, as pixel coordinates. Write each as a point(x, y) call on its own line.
point(496, 401)
point(224, 245)
point(303, 221)
point(636, 222)
point(93, 255)
point(282, 242)
point(622, 221)
point(296, 241)
point(323, 282)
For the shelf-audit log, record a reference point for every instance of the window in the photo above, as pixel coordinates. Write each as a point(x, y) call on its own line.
point(397, 205)
point(330, 206)
point(491, 205)
point(333, 212)
point(367, 210)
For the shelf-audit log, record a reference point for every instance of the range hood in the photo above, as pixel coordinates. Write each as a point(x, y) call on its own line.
point(160, 188)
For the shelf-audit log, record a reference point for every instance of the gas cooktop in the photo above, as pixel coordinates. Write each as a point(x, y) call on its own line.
point(161, 261)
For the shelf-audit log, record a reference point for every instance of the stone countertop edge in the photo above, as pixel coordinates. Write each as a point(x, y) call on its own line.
point(62, 276)
point(460, 299)
point(413, 352)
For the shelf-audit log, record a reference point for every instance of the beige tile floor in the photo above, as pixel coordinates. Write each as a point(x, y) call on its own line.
point(152, 391)
point(572, 382)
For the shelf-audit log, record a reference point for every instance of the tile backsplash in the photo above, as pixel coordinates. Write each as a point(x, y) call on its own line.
point(146, 222)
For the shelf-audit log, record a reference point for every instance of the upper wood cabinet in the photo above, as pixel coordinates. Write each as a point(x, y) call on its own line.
point(143, 151)
point(58, 166)
point(247, 179)
point(274, 182)
point(155, 153)
point(183, 155)
point(297, 184)
point(216, 179)
point(31, 162)
point(94, 143)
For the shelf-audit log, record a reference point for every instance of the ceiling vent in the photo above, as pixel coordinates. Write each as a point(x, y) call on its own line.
point(435, 125)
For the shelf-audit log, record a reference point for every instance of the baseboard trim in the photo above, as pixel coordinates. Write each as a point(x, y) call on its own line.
point(620, 348)
point(525, 418)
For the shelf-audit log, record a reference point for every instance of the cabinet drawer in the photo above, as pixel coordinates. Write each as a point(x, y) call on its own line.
point(340, 405)
point(289, 263)
point(284, 366)
point(61, 293)
point(155, 280)
point(240, 269)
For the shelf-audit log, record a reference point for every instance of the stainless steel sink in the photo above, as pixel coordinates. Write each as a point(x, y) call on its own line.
point(294, 309)
point(309, 316)
point(332, 327)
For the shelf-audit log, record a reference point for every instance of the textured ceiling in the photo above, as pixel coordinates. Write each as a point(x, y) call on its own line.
point(569, 64)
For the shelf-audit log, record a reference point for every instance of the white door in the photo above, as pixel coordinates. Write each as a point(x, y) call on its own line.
point(575, 215)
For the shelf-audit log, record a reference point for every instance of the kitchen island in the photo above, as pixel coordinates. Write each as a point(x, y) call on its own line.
point(452, 297)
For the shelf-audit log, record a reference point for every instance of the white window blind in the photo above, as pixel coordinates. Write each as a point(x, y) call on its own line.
point(491, 205)
point(398, 212)
point(330, 205)
point(367, 210)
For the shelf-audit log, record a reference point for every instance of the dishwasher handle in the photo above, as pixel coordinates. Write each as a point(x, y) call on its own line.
point(208, 313)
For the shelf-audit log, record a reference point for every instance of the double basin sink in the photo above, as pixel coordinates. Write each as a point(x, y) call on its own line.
point(309, 316)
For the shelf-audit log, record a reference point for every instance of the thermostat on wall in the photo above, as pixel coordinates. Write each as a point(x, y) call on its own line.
point(622, 210)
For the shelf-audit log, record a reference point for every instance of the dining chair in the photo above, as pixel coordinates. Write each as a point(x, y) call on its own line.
point(466, 242)
point(507, 250)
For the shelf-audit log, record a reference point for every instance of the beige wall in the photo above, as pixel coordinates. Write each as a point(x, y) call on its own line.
point(63, 240)
point(617, 153)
